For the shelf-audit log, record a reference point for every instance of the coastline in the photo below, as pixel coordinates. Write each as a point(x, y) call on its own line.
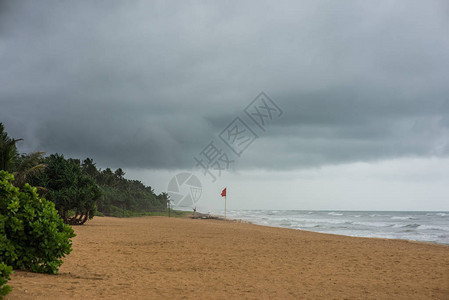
point(159, 257)
point(430, 227)
point(205, 216)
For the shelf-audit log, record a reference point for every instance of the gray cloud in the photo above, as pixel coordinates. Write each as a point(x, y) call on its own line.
point(150, 84)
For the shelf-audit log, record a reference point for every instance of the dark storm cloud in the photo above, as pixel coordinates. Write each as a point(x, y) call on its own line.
point(149, 85)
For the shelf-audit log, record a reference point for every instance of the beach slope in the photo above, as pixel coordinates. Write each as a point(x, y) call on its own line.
point(173, 258)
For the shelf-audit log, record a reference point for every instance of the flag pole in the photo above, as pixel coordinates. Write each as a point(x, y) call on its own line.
point(223, 194)
point(225, 207)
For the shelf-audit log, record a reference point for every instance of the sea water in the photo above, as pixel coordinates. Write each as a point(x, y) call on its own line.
point(410, 225)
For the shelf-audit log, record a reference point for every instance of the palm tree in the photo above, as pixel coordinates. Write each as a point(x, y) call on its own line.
point(22, 167)
point(166, 198)
point(119, 174)
point(89, 168)
point(8, 150)
point(27, 166)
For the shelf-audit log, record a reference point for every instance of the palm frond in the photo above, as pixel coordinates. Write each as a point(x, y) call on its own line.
point(28, 166)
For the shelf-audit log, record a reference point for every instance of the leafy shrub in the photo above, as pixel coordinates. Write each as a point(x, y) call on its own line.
point(32, 235)
point(4, 277)
point(99, 214)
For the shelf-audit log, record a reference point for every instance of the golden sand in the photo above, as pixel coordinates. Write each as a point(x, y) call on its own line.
point(162, 258)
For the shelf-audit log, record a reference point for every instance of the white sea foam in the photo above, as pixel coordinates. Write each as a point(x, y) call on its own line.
point(421, 226)
point(373, 224)
point(442, 214)
point(332, 213)
point(403, 218)
point(434, 227)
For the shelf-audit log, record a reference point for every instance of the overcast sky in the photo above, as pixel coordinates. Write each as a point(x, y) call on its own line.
point(146, 85)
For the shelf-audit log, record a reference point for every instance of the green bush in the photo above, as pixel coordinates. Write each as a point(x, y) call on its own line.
point(4, 277)
point(32, 235)
point(99, 214)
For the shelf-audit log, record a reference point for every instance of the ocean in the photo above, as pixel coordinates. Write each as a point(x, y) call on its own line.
point(410, 225)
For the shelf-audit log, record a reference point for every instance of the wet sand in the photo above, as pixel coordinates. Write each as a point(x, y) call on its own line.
point(162, 258)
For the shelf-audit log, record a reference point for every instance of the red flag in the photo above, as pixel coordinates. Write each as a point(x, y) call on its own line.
point(223, 193)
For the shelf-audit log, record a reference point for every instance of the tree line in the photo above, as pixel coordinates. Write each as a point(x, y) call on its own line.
point(78, 188)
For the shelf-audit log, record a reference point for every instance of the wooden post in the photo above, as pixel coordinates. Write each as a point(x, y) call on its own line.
point(169, 208)
point(225, 207)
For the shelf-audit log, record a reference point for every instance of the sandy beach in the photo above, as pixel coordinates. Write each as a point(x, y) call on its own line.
point(162, 258)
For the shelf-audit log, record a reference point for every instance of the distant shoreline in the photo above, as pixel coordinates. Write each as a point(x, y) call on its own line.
point(423, 226)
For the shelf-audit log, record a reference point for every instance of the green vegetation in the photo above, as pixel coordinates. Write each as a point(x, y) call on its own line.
point(117, 212)
point(79, 190)
point(27, 166)
point(123, 197)
point(174, 213)
point(23, 167)
point(68, 188)
point(8, 150)
point(33, 236)
point(87, 191)
point(4, 277)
